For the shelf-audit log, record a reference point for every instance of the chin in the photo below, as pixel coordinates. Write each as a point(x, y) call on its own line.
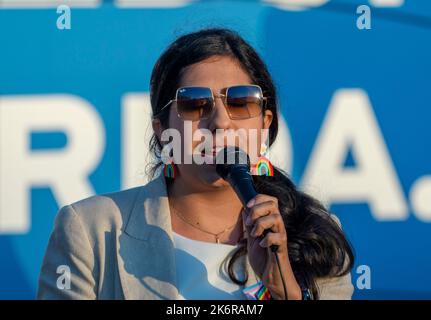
point(212, 179)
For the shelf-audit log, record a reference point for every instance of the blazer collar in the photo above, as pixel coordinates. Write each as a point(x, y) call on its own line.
point(150, 212)
point(146, 256)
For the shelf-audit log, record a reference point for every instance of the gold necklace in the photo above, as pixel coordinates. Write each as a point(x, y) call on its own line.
point(216, 235)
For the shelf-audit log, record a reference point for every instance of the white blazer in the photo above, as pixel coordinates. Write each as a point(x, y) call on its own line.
point(120, 246)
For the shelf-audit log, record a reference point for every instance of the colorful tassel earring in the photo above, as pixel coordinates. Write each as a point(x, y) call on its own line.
point(263, 166)
point(170, 170)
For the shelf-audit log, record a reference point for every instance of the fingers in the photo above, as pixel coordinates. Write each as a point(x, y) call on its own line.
point(263, 214)
point(262, 205)
point(260, 198)
point(272, 222)
point(270, 239)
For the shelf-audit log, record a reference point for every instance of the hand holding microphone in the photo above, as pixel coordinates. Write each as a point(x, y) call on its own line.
point(263, 221)
point(233, 165)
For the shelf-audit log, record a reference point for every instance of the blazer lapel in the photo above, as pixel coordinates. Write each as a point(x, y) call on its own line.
point(146, 256)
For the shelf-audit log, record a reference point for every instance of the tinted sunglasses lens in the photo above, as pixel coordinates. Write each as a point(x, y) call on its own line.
point(244, 101)
point(194, 103)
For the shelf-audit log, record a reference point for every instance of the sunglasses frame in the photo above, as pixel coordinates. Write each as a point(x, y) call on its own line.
point(222, 96)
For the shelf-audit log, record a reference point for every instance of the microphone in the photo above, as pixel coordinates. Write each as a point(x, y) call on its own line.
point(233, 165)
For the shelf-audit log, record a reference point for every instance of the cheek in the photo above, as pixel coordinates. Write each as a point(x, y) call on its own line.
point(174, 120)
point(177, 124)
point(185, 130)
point(255, 136)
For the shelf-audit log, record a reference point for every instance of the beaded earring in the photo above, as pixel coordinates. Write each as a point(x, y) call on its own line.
point(170, 170)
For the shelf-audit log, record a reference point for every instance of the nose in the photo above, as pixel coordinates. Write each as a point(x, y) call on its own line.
point(220, 118)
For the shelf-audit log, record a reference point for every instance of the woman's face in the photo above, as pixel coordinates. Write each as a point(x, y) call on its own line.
point(217, 73)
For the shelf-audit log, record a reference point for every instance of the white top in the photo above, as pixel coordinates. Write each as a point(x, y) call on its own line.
point(201, 273)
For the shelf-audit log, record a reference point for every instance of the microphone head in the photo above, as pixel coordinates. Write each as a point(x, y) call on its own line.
point(229, 158)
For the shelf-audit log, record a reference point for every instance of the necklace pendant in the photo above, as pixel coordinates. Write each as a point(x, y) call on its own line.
point(217, 240)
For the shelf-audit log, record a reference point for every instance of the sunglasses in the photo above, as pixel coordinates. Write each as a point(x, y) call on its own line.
point(196, 103)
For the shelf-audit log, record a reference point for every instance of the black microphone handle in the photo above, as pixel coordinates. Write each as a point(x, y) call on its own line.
point(242, 182)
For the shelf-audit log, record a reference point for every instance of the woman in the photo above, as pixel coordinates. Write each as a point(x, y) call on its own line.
point(186, 234)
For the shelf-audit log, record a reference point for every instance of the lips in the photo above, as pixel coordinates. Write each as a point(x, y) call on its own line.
point(215, 150)
point(210, 158)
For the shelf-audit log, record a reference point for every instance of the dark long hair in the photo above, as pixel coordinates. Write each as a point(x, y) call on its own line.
point(317, 246)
